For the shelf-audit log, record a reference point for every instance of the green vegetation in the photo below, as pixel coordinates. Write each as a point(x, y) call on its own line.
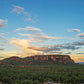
point(37, 74)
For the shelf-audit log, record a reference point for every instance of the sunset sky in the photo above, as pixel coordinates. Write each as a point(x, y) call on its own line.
point(33, 27)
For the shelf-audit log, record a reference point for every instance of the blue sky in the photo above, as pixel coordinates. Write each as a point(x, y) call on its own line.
point(43, 26)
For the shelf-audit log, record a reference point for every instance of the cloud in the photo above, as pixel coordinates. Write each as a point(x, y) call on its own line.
point(30, 29)
point(3, 38)
point(74, 30)
point(80, 43)
point(3, 23)
point(21, 10)
point(29, 49)
point(1, 49)
point(18, 9)
point(2, 44)
point(78, 59)
point(54, 48)
point(68, 53)
point(20, 42)
point(36, 34)
point(45, 49)
point(66, 46)
point(56, 52)
point(81, 35)
point(1, 57)
point(72, 47)
point(40, 37)
point(80, 53)
point(24, 44)
point(38, 48)
point(30, 19)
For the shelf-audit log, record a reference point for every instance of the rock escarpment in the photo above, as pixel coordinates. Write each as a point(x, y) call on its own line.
point(38, 59)
point(50, 59)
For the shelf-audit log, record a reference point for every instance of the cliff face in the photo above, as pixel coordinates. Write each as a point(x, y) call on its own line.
point(39, 59)
point(57, 59)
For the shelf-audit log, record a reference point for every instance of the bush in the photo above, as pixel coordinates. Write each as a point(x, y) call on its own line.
point(27, 82)
point(37, 82)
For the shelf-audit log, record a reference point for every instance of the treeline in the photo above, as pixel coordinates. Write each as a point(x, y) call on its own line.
point(35, 74)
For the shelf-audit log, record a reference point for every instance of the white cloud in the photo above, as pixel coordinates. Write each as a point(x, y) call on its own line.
point(18, 9)
point(74, 30)
point(36, 34)
point(28, 28)
point(21, 42)
point(21, 10)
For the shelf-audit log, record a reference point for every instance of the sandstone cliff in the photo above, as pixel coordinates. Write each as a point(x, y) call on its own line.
point(38, 59)
point(57, 59)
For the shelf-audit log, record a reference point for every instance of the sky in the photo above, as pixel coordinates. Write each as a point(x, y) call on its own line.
point(37, 27)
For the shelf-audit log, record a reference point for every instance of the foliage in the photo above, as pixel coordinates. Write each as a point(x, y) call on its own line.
point(37, 74)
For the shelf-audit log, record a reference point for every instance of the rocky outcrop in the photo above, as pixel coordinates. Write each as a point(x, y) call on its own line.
point(57, 59)
point(38, 59)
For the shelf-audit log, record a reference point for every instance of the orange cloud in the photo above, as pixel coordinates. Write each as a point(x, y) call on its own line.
point(24, 45)
point(81, 35)
point(78, 59)
point(3, 22)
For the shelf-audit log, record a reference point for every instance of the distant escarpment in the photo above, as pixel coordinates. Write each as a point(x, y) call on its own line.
point(50, 59)
point(38, 59)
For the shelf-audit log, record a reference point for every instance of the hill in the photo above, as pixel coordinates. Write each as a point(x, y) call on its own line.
point(38, 59)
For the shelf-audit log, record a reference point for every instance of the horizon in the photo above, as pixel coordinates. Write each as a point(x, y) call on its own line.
point(42, 27)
